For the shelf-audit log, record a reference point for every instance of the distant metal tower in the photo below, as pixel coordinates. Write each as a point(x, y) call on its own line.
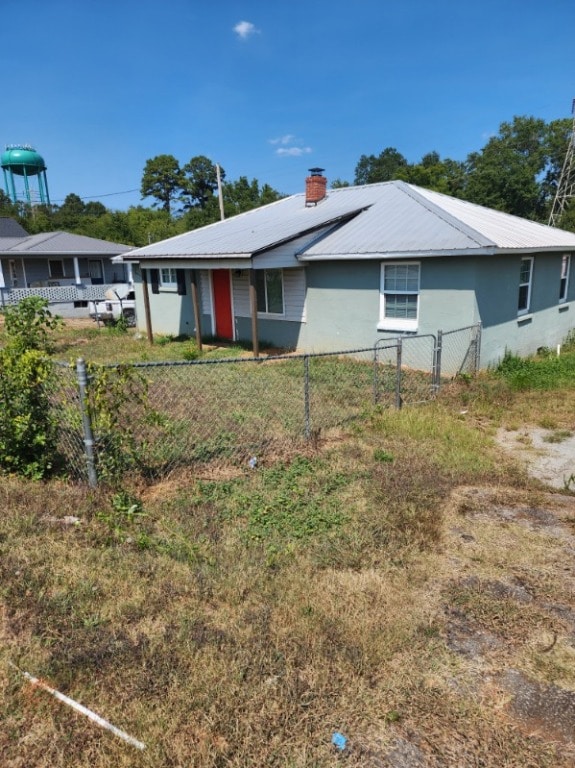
point(566, 187)
point(22, 160)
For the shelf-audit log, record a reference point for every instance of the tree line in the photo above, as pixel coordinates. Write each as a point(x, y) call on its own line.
point(183, 198)
point(517, 171)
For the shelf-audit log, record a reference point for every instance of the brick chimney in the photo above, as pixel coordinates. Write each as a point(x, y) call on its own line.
point(315, 186)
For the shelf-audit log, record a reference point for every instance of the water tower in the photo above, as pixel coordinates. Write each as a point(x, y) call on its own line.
point(22, 160)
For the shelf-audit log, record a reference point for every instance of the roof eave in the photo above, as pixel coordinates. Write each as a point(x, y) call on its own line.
point(414, 254)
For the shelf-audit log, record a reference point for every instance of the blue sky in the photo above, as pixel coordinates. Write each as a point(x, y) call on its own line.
point(268, 88)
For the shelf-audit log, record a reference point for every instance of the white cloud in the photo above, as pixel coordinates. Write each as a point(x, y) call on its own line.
point(293, 151)
point(289, 138)
point(290, 146)
point(245, 29)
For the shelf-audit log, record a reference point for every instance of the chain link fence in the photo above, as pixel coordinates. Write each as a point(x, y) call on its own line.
point(180, 414)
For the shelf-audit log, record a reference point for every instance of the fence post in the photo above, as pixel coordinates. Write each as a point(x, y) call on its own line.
point(86, 422)
point(477, 350)
point(398, 400)
point(375, 376)
point(307, 414)
point(438, 351)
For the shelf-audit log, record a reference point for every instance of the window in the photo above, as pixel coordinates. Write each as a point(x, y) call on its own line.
point(399, 301)
point(563, 285)
point(525, 276)
point(56, 268)
point(270, 291)
point(168, 278)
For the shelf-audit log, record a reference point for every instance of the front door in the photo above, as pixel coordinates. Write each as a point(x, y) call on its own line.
point(223, 319)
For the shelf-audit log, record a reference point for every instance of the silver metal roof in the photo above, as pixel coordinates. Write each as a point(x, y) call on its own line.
point(391, 219)
point(59, 243)
point(251, 232)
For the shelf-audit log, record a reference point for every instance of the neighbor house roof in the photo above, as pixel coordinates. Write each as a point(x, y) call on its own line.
point(59, 244)
point(392, 219)
point(10, 228)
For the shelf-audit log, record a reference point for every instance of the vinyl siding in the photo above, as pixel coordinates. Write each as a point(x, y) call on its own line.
point(294, 295)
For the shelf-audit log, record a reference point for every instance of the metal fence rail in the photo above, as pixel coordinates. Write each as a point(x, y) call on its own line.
point(187, 413)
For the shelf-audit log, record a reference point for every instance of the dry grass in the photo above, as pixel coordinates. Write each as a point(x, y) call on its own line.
point(380, 586)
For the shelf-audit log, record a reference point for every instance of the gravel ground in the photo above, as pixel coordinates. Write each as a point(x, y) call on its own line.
point(548, 454)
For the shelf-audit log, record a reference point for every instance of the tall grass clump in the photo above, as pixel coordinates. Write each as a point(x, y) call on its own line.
point(544, 371)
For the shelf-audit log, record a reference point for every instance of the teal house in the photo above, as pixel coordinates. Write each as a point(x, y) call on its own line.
point(338, 269)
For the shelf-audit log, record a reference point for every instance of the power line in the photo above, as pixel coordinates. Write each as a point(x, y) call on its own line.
point(106, 194)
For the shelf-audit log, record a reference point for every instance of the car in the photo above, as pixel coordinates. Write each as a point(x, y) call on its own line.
point(119, 301)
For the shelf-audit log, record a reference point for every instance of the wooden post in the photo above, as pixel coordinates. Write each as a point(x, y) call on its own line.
point(147, 312)
point(254, 311)
point(195, 302)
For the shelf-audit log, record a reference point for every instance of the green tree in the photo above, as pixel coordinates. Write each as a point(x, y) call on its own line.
point(447, 176)
point(69, 215)
point(339, 183)
point(243, 195)
point(163, 180)
point(7, 207)
point(200, 182)
point(95, 208)
point(385, 167)
point(506, 173)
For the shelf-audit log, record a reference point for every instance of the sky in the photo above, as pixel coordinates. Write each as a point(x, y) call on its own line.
point(270, 88)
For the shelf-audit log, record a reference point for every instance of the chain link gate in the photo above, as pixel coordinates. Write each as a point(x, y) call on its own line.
point(226, 411)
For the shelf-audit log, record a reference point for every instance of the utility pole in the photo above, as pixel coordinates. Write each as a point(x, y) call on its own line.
point(566, 186)
point(220, 195)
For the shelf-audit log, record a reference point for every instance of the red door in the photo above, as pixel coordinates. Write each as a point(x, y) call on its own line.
point(221, 283)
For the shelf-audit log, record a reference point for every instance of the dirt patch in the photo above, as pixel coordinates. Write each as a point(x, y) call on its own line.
point(545, 710)
point(549, 455)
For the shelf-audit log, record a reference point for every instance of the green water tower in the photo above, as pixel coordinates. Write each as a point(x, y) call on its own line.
point(22, 161)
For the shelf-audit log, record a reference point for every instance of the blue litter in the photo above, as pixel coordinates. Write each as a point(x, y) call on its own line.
point(253, 462)
point(339, 741)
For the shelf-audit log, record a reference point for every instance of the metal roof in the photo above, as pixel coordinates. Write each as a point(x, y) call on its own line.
point(248, 233)
point(10, 228)
point(410, 221)
point(390, 219)
point(60, 244)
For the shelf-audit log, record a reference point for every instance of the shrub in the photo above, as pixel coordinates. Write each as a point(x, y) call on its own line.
point(27, 426)
point(28, 324)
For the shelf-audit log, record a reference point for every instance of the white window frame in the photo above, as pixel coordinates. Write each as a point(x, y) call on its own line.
point(564, 280)
point(398, 323)
point(266, 312)
point(525, 310)
point(168, 279)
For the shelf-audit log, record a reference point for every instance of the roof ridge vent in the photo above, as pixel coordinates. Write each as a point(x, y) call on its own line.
point(315, 187)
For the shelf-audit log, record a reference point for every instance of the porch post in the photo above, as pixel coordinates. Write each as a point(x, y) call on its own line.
point(130, 275)
point(144, 273)
point(254, 312)
point(2, 281)
point(77, 271)
point(196, 305)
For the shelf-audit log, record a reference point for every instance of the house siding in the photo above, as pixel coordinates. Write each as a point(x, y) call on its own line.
point(546, 324)
point(332, 306)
